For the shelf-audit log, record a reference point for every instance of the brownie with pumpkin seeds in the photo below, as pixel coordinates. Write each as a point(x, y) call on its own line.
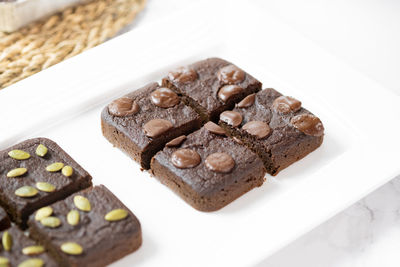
point(142, 122)
point(19, 250)
point(90, 228)
point(36, 173)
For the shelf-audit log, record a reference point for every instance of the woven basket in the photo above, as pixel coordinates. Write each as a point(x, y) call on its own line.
point(61, 36)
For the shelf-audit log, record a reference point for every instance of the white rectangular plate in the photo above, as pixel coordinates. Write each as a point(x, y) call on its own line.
point(358, 155)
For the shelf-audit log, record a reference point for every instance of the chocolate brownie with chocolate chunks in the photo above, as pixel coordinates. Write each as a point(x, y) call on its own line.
point(4, 220)
point(36, 173)
point(142, 122)
point(274, 126)
point(19, 250)
point(211, 86)
point(207, 169)
point(91, 228)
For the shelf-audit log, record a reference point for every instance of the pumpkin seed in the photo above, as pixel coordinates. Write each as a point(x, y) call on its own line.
point(67, 171)
point(71, 248)
point(41, 150)
point(4, 261)
point(19, 154)
point(16, 172)
point(51, 221)
point(82, 203)
point(33, 250)
point(55, 167)
point(43, 213)
point(116, 215)
point(7, 241)
point(45, 187)
point(26, 191)
point(73, 217)
point(36, 262)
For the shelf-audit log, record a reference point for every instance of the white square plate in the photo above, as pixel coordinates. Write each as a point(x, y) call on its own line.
point(359, 153)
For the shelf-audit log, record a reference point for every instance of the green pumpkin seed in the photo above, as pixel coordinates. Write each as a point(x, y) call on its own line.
point(51, 221)
point(41, 150)
point(4, 261)
point(55, 167)
point(67, 171)
point(36, 262)
point(43, 213)
point(7, 241)
point(45, 187)
point(73, 217)
point(19, 154)
point(116, 215)
point(26, 191)
point(82, 203)
point(16, 172)
point(71, 248)
point(33, 250)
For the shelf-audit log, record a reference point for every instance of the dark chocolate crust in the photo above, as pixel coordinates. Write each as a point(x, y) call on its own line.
point(285, 145)
point(127, 133)
point(20, 208)
point(4, 220)
point(201, 94)
point(103, 242)
point(20, 241)
point(202, 188)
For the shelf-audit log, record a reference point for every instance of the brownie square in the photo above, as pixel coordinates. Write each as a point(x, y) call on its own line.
point(91, 232)
point(36, 173)
point(23, 250)
point(4, 220)
point(276, 127)
point(211, 86)
point(142, 122)
point(208, 170)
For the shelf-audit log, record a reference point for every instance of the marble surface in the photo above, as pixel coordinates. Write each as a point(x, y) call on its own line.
point(364, 34)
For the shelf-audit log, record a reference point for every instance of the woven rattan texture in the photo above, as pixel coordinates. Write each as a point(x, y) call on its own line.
point(61, 36)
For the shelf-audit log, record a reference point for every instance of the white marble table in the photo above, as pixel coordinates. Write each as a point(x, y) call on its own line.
point(364, 34)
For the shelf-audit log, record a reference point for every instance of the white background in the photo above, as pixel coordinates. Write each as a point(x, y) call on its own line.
point(366, 35)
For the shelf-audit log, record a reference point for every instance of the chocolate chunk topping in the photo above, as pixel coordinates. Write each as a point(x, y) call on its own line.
point(228, 91)
point(308, 124)
point(123, 107)
point(164, 98)
point(231, 75)
point(232, 118)
point(183, 75)
point(248, 101)
point(214, 128)
point(286, 104)
point(185, 158)
point(177, 141)
point(259, 129)
point(156, 127)
point(220, 162)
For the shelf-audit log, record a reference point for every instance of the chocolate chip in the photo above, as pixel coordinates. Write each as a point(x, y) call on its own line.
point(232, 118)
point(183, 75)
point(230, 75)
point(156, 127)
point(248, 101)
point(286, 104)
point(259, 129)
point(123, 107)
point(220, 162)
point(185, 158)
point(214, 128)
point(308, 124)
point(228, 91)
point(177, 141)
point(164, 98)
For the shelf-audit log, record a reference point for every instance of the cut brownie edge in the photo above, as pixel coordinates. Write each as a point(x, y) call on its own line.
point(211, 202)
point(124, 143)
